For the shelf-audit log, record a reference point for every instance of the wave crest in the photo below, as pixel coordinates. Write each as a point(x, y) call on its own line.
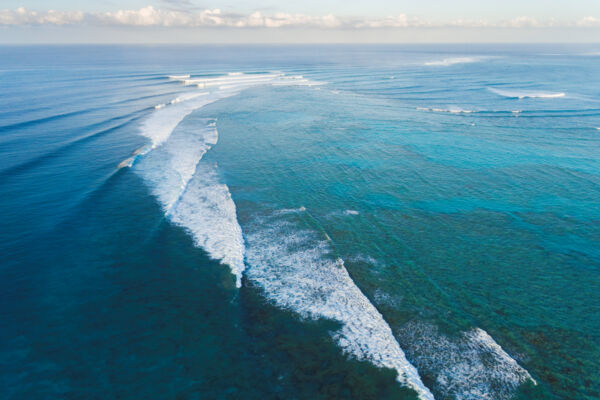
point(453, 61)
point(518, 94)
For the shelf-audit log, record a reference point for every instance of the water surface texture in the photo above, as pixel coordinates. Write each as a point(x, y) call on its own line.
point(300, 222)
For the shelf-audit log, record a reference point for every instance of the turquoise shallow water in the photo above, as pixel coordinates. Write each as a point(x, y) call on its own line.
point(300, 222)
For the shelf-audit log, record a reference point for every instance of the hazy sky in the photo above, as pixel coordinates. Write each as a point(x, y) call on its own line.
point(213, 21)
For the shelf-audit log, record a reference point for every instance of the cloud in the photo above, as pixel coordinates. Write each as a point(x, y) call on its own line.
point(180, 17)
point(588, 22)
point(22, 16)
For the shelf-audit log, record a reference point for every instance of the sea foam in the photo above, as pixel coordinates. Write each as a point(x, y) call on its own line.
point(446, 110)
point(519, 94)
point(297, 270)
point(471, 366)
point(208, 212)
point(178, 77)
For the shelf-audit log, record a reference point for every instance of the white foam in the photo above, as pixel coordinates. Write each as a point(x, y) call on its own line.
point(351, 212)
point(298, 271)
point(162, 121)
point(128, 162)
point(208, 212)
point(192, 197)
point(291, 210)
point(227, 79)
point(187, 96)
point(517, 94)
point(178, 77)
point(471, 366)
point(446, 110)
point(453, 61)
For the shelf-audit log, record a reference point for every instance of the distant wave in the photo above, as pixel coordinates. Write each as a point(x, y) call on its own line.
point(297, 269)
point(471, 366)
point(446, 110)
point(178, 77)
point(517, 94)
point(453, 61)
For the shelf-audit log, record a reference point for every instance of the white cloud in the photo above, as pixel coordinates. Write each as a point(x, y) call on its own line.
point(588, 22)
point(156, 17)
point(22, 16)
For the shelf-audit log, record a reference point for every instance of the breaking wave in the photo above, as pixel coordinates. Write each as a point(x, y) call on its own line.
point(471, 366)
point(453, 61)
point(517, 94)
point(446, 110)
point(189, 191)
point(297, 270)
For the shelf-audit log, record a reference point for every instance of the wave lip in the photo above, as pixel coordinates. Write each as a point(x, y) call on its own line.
point(298, 271)
point(518, 94)
point(446, 62)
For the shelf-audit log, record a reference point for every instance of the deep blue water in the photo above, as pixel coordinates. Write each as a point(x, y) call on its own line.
point(300, 222)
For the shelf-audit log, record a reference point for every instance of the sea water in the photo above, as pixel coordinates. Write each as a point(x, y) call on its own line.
point(300, 222)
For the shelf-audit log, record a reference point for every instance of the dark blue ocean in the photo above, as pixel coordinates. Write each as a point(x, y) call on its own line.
point(300, 222)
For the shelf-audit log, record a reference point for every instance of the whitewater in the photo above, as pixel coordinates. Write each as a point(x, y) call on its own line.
point(295, 267)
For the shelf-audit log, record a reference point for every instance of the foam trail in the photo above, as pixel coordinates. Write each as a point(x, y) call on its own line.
point(471, 366)
point(517, 94)
point(297, 270)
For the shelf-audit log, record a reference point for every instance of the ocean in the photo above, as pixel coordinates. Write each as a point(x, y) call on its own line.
point(300, 222)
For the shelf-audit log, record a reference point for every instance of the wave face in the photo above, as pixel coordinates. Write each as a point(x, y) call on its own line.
point(471, 366)
point(298, 271)
point(517, 94)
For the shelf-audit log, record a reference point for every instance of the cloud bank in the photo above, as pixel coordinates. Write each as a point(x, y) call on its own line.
point(211, 18)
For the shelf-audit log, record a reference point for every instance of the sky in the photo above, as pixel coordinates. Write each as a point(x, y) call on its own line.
point(305, 21)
